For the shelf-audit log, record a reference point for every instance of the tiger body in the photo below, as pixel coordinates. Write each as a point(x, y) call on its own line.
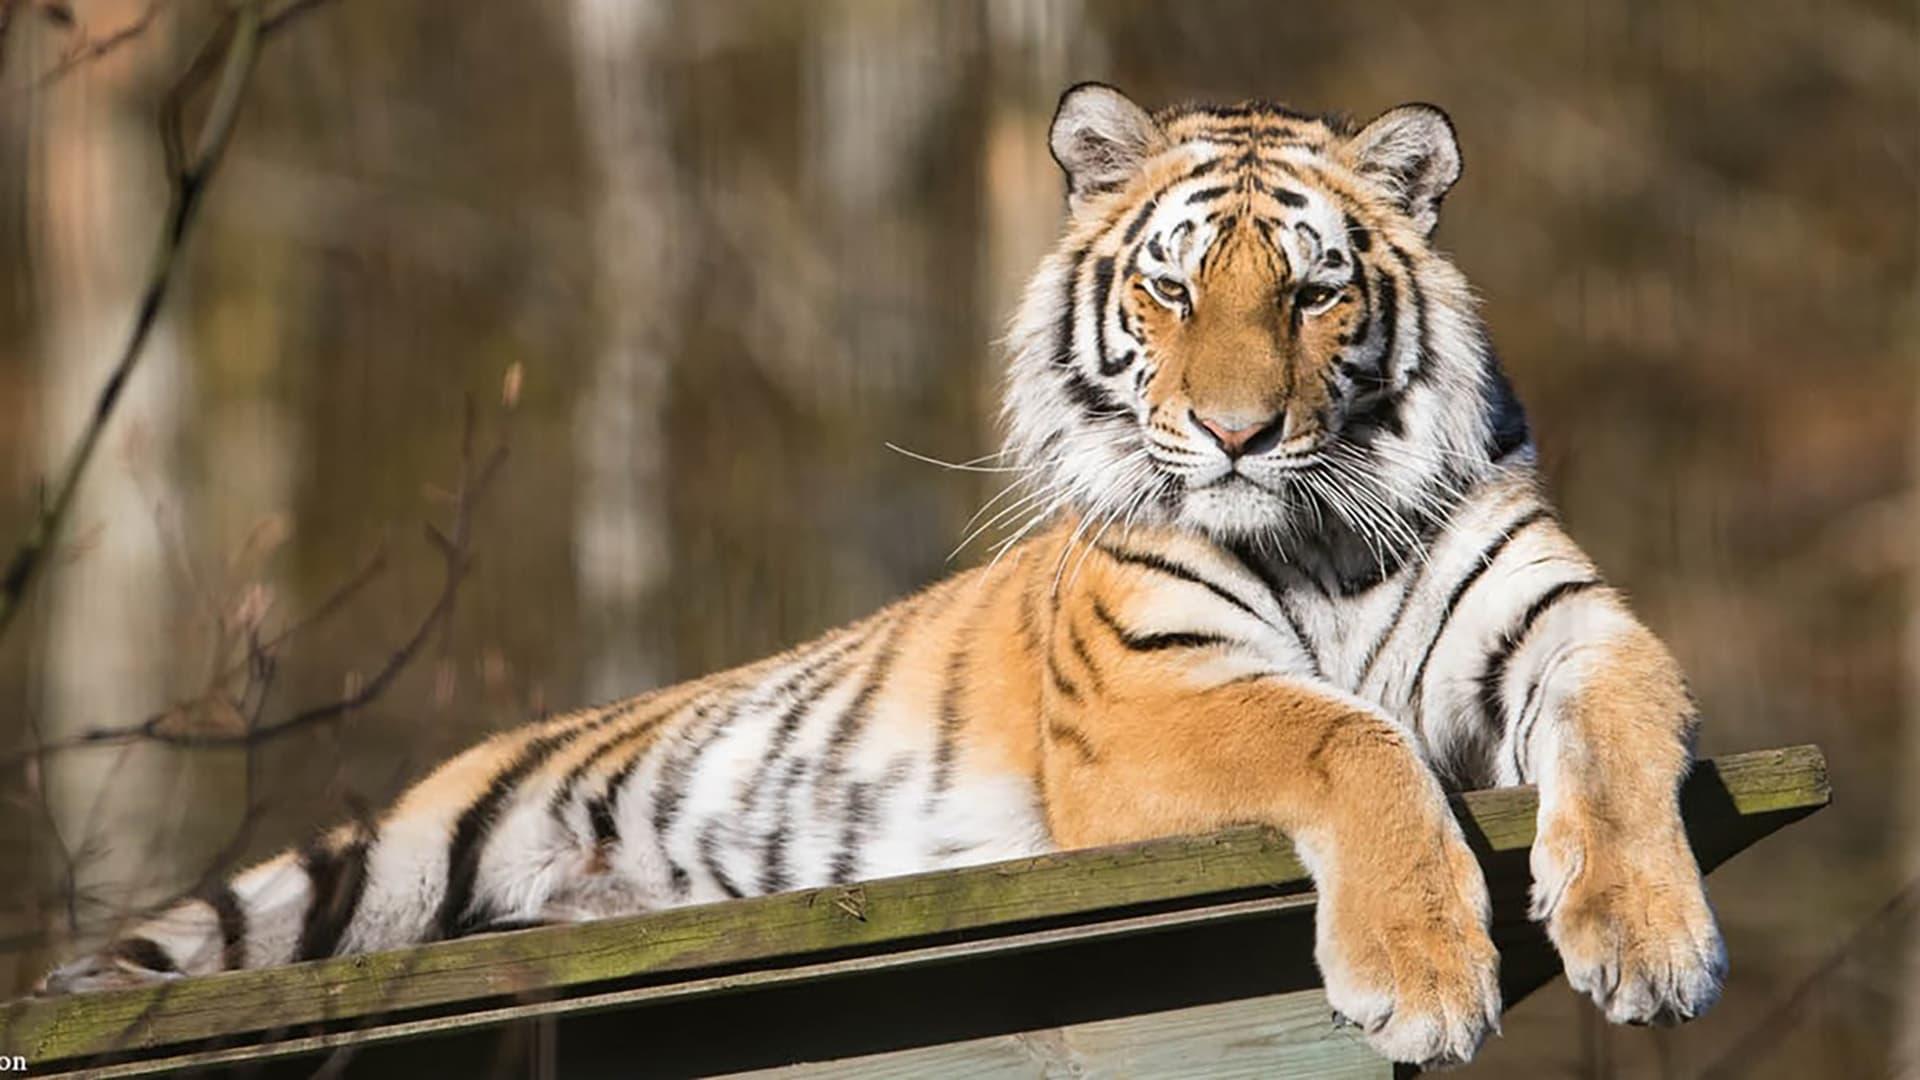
point(1284, 559)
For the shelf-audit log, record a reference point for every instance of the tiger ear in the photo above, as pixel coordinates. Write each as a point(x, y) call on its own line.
point(1412, 150)
point(1100, 138)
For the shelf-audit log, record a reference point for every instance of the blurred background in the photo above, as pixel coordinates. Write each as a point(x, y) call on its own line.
point(737, 247)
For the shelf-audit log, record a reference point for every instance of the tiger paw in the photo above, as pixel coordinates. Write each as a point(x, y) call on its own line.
point(1412, 967)
point(1631, 921)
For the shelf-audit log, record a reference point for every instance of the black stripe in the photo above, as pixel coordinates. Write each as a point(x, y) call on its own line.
point(1460, 588)
point(860, 709)
point(1492, 696)
point(1064, 333)
point(774, 874)
point(1172, 639)
point(1357, 235)
point(816, 672)
point(338, 877)
point(1284, 196)
point(844, 862)
point(671, 786)
point(626, 740)
point(1095, 402)
point(866, 803)
point(1102, 292)
point(1074, 737)
point(1364, 325)
point(1163, 565)
point(1060, 681)
point(674, 775)
point(854, 718)
point(1140, 219)
point(1258, 117)
point(1419, 307)
point(1207, 194)
point(1389, 291)
point(709, 848)
point(471, 830)
point(233, 926)
point(1276, 589)
point(606, 831)
point(1079, 647)
point(788, 728)
point(617, 783)
point(1207, 167)
point(1407, 589)
point(1265, 229)
point(951, 718)
point(144, 953)
point(1029, 620)
point(563, 794)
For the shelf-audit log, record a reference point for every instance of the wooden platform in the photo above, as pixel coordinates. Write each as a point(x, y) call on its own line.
point(1188, 956)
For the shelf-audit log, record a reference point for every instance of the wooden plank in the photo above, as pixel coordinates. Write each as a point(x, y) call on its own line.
point(1730, 802)
point(272, 1047)
point(1279, 1036)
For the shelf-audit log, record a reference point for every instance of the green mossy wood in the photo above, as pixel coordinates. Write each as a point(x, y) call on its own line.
point(935, 924)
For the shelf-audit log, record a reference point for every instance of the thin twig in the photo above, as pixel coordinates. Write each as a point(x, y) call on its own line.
point(455, 550)
point(86, 50)
point(326, 609)
point(241, 49)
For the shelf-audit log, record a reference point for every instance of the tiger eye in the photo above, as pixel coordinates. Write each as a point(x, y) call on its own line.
point(1309, 297)
point(1169, 289)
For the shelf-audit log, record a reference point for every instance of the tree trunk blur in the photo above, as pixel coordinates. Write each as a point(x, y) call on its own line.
point(99, 193)
point(621, 552)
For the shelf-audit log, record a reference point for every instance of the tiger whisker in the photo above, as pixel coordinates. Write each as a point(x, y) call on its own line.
point(963, 466)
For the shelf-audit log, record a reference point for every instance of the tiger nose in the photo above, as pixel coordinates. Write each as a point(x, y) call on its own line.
point(1253, 438)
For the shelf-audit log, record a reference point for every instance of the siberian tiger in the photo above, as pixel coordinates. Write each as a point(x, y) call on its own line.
point(1288, 562)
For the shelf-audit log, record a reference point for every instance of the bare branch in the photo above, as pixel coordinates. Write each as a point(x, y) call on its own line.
point(86, 49)
point(236, 54)
point(167, 727)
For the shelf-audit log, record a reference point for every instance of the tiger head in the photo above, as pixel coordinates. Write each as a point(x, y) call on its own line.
point(1246, 330)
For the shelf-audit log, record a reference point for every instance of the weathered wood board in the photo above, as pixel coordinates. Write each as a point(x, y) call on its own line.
point(1271, 1037)
point(1043, 952)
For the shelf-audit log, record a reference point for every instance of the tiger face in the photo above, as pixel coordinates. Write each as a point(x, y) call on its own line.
point(1246, 330)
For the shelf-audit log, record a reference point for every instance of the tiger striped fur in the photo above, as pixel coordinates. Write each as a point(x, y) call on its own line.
point(1281, 557)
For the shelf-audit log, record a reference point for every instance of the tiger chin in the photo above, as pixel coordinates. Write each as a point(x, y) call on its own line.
point(1285, 559)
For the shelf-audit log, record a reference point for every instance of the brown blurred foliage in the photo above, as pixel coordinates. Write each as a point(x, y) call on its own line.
point(736, 247)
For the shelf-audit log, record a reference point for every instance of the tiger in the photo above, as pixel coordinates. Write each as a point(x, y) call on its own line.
point(1282, 557)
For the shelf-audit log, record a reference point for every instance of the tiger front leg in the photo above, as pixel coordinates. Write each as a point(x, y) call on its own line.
point(1615, 880)
point(1401, 934)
